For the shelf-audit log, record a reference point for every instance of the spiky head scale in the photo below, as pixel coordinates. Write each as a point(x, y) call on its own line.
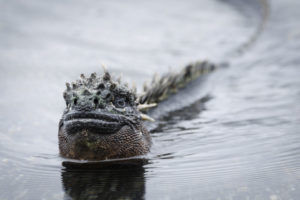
point(98, 86)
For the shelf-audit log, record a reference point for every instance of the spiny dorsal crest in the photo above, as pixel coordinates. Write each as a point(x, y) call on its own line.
point(162, 87)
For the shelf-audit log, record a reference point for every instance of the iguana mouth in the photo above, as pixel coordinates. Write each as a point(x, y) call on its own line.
point(92, 115)
point(98, 123)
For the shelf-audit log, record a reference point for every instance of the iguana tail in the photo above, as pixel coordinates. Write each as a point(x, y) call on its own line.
point(163, 87)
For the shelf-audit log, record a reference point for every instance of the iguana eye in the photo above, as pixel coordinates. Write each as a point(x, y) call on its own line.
point(120, 102)
point(75, 100)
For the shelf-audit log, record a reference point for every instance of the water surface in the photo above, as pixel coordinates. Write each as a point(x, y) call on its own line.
point(243, 143)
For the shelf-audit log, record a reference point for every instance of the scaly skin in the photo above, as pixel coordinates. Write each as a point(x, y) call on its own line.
point(101, 121)
point(103, 118)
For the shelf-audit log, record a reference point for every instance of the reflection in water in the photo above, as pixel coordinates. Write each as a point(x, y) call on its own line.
point(186, 113)
point(104, 180)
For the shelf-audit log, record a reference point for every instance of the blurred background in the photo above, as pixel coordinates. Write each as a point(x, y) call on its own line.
point(243, 143)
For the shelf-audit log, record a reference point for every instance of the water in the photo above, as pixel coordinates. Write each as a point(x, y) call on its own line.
point(243, 143)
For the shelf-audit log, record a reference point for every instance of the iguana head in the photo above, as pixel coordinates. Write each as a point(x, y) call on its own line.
point(101, 120)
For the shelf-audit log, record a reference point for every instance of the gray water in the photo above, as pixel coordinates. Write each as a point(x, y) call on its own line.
point(242, 143)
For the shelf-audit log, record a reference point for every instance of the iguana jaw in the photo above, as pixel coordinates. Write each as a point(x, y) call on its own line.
point(88, 145)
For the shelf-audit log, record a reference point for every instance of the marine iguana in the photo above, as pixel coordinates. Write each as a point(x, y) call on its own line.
point(103, 118)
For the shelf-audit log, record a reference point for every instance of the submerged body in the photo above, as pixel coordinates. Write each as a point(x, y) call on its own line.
point(103, 118)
